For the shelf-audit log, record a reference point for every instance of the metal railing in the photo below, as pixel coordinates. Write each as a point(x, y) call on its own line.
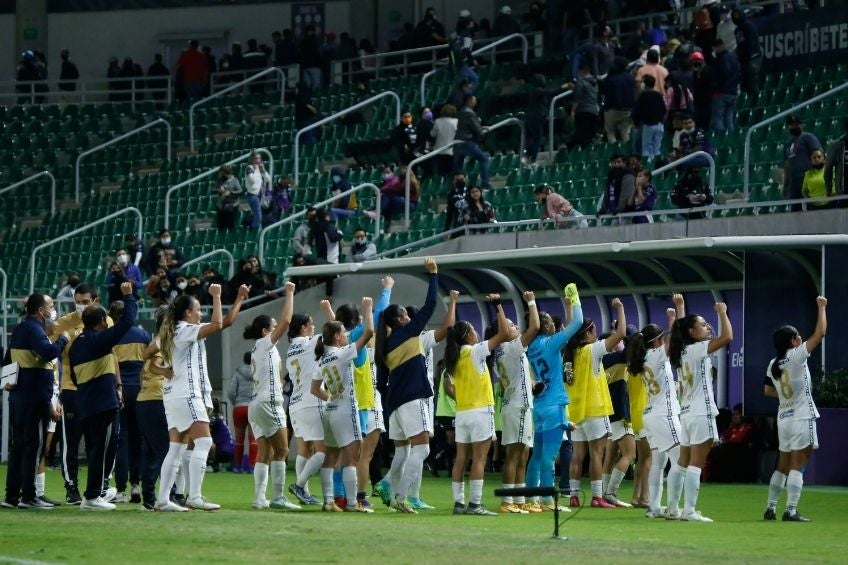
point(230, 259)
point(210, 172)
point(3, 305)
point(223, 79)
point(302, 213)
point(690, 157)
point(337, 115)
point(37, 248)
point(123, 136)
point(32, 178)
point(86, 91)
point(554, 100)
point(746, 172)
point(249, 80)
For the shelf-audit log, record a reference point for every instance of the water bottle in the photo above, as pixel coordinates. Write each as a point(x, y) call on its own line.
point(568, 371)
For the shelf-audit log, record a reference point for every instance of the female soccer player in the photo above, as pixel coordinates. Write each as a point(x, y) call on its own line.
point(342, 431)
point(689, 352)
point(513, 368)
point(591, 404)
point(265, 412)
point(465, 361)
point(788, 380)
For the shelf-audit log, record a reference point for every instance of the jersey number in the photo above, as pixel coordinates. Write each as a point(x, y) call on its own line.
point(296, 364)
point(333, 380)
point(543, 374)
point(687, 378)
point(785, 386)
point(651, 382)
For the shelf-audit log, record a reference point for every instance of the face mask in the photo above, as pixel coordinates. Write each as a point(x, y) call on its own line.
point(428, 115)
point(360, 240)
point(725, 17)
point(337, 178)
point(165, 287)
point(818, 165)
point(795, 131)
point(181, 285)
point(460, 184)
point(52, 315)
point(123, 259)
point(387, 176)
point(166, 241)
point(690, 130)
point(80, 308)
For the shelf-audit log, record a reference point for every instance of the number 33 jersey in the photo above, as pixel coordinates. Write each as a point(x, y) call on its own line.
point(794, 388)
point(696, 381)
point(659, 383)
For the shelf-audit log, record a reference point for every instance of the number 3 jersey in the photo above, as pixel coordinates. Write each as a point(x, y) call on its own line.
point(659, 383)
point(794, 387)
point(336, 371)
point(696, 380)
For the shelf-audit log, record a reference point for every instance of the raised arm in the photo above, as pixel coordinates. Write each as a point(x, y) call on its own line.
point(327, 309)
point(620, 327)
point(423, 316)
point(726, 336)
point(503, 326)
point(231, 316)
point(679, 305)
point(821, 325)
point(450, 318)
point(217, 322)
point(533, 323)
point(385, 298)
point(368, 331)
point(560, 339)
point(286, 315)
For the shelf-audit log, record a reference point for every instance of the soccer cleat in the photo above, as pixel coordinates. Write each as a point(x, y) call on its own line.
point(658, 513)
point(695, 517)
point(384, 491)
point(120, 498)
point(479, 510)
point(72, 496)
point(34, 504)
point(672, 514)
point(598, 502)
point(9, 503)
point(358, 507)
point(458, 508)
point(341, 502)
point(109, 494)
point(769, 514)
point(96, 504)
point(313, 500)
point(330, 507)
point(574, 501)
point(44, 498)
point(282, 503)
point(299, 493)
point(402, 506)
point(169, 506)
point(794, 517)
point(200, 503)
point(418, 504)
point(550, 507)
point(261, 504)
point(147, 507)
point(179, 499)
point(510, 508)
point(135, 494)
point(532, 507)
point(613, 499)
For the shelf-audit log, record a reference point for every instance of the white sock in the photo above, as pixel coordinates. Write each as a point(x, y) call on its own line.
point(476, 491)
point(605, 479)
point(458, 492)
point(299, 463)
point(260, 481)
point(186, 461)
point(278, 479)
point(519, 499)
point(39, 484)
point(170, 466)
point(574, 486)
point(350, 482)
point(507, 499)
point(197, 466)
point(794, 484)
point(776, 484)
point(398, 464)
point(312, 466)
point(327, 484)
point(180, 478)
point(655, 480)
point(691, 486)
point(676, 478)
point(614, 482)
point(597, 488)
point(413, 468)
point(415, 488)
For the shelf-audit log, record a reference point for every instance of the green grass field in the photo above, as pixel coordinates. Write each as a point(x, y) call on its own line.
point(237, 533)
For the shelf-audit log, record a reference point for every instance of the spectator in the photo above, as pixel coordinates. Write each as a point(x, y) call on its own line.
point(652, 68)
point(443, 133)
point(164, 254)
point(303, 260)
point(309, 58)
point(211, 67)
point(194, 287)
point(538, 104)
point(424, 128)
point(725, 87)
point(796, 158)
point(455, 198)
point(68, 74)
point(648, 116)
point(229, 191)
point(393, 195)
point(289, 49)
point(726, 29)
point(702, 91)
point(158, 85)
point(344, 206)
point(836, 166)
point(248, 273)
point(26, 74)
point(113, 71)
point(279, 204)
point(65, 296)
point(484, 30)
point(369, 63)
point(279, 49)
point(535, 18)
point(463, 89)
point(749, 52)
point(132, 71)
point(305, 112)
point(475, 210)
point(240, 393)
point(210, 277)
point(405, 139)
point(634, 162)
point(704, 22)
point(644, 197)
point(470, 132)
point(734, 459)
point(601, 55)
point(678, 98)
point(814, 185)
point(620, 101)
point(620, 188)
point(126, 272)
point(326, 236)
point(407, 38)
point(691, 191)
point(585, 108)
point(194, 69)
point(163, 292)
point(557, 209)
point(362, 248)
point(302, 238)
point(135, 247)
point(430, 30)
point(505, 24)
point(693, 139)
point(182, 285)
point(460, 56)
point(257, 182)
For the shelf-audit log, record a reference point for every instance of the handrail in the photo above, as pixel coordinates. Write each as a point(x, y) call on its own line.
point(33, 177)
point(302, 213)
point(293, 69)
point(231, 259)
point(689, 157)
point(339, 114)
point(85, 93)
point(746, 172)
point(212, 171)
point(559, 96)
point(3, 306)
point(487, 47)
point(115, 140)
point(229, 89)
point(72, 233)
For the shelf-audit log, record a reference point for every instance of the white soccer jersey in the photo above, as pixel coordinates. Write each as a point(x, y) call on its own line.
point(188, 361)
point(514, 374)
point(659, 382)
point(336, 371)
point(696, 379)
point(794, 388)
point(302, 367)
point(428, 342)
point(265, 364)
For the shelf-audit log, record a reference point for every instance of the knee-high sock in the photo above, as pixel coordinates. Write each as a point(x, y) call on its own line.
point(338, 483)
point(39, 484)
point(327, 484)
point(655, 479)
point(180, 480)
point(615, 481)
point(398, 464)
point(776, 484)
point(691, 486)
point(278, 479)
point(458, 492)
point(238, 453)
point(298, 465)
point(414, 467)
point(186, 460)
point(197, 466)
point(476, 491)
point(794, 484)
point(534, 465)
point(310, 468)
point(605, 479)
point(168, 473)
point(415, 489)
point(349, 479)
point(566, 450)
point(676, 480)
point(551, 440)
point(260, 481)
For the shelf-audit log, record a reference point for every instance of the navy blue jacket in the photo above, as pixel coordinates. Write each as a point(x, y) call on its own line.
point(35, 355)
point(726, 75)
point(130, 355)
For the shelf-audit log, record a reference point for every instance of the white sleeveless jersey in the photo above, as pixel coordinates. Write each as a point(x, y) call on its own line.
point(188, 361)
point(266, 365)
point(336, 371)
point(302, 367)
point(794, 388)
point(696, 380)
point(659, 382)
point(514, 374)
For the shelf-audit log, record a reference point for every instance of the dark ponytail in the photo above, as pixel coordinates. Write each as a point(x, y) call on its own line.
point(454, 341)
point(297, 323)
point(491, 331)
point(782, 339)
point(637, 347)
point(680, 338)
point(348, 315)
point(388, 320)
point(578, 340)
point(327, 337)
point(254, 330)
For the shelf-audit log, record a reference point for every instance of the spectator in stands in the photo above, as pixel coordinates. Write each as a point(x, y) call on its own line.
point(430, 30)
point(68, 75)
point(132, 71)
point(456, 196)
point(475, 210)
point(535, 17)
point(194, 69)
point(505, 23)
point(836, 166)
point(393, 195)
point(634, 162)
point(692, 139)
point(113, 71)
point(585, 108)
point(164, 254)
point(254, 57)
point(302, 238)
point(461, 46)
point(26, 73)
point(603, 53)
point(726, 29)
point(248, 273)
point(369, 63)
point(304, 260)
point(257, 182)
point(424, 128)
point(289, 52)
point(796, 158)
point(648, 116)
point(814, 185)
point(236, 60)
point(443, 133)
point(305, 112)
point(691, 191)
point(126, 272)
point(211, 67)
point(749, 52)
point(210, 277)
point(702, 91)
point(344, 206)
point(678, 97)
point(65, 296)
point(538, 105)
point(484, 30)
point(279, 49)
point(362, 115)
point(470, 132)
point(704, 22)
point(163, 292)
point(620, 188)
point(725, 87)
point(309, 58)
point(652, 68)
point(182, 285)
point(326, 236)
point(158, 69)
point(362, 248)
point(194, 287)
point(279, 204)
point(644, 197)
point(405, 139)
point(555, 208)
point(620, 100)
point(135, 247)
point(229, 191)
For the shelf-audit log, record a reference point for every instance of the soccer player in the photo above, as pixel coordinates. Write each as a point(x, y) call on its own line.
point(591, 404)
point(265, 412)
point(465, 361)
point(788, 380)
point(689, 351)
point(334, 385)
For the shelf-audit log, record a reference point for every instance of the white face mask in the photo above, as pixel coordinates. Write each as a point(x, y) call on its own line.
point(123, 259)
point(181, 285)
point(690, 130)
point(80, 308)
point(360, 240)
point(337, 178)
point(52, 315)
point(166, 241)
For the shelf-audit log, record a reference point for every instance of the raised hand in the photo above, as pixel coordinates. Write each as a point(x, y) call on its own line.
point(677, 299)
point(367, 301)
point(616, 303)
point(126, 288)
point(493, 296)
point(720, 308)
point(529, 296)
point(430, 265)
point(388, 282)
point(454, 294)
point(289, 288)
point(215, 290)
point(821, 301)
point(243, 292)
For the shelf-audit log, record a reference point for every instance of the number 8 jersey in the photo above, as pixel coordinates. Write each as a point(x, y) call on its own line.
point(659, 382)
point(696, 379)
point(794, 388)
